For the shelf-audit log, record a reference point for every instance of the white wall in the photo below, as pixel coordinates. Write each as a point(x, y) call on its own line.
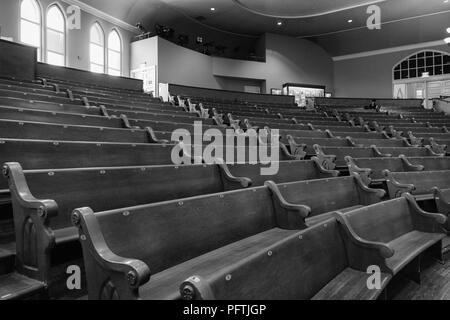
point(287, 60)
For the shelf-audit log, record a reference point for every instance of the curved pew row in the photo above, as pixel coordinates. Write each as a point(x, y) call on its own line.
point(235, 264)
point(93, 110)
point(110, 188)
point(420, 184)
point(307, 144)
point(242, 224)
point(371, 169)
point(332, 157)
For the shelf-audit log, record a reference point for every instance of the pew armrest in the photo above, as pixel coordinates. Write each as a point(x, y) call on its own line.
point(31, 213)
point(230, 181)
point(409, 166)
point(378, 153)
point(442, 200)
point(425, 221)
point(364, 173)
point(127, 274)
point(363, 253)
point(288, 216)
point(396, 189)
point(326, 161)
point(367, 195)
point(324, 172)
point(152, 136)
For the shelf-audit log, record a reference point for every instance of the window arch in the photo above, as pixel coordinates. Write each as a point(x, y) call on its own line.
point(114, 54)
point(435, 63)
point(30, 25)
point(97, 48)
point(56, 36)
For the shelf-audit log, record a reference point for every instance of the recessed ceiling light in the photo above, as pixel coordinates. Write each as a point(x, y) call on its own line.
point(445, 1)
point(279, 23)
point(448, 30)
point(213, 9)
point(350, 21)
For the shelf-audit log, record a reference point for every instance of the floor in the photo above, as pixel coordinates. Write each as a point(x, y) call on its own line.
point(435, 281)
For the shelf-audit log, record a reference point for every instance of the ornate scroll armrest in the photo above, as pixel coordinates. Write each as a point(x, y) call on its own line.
point(284, 151)
point(368, 195)
point(442, 200)
point(409, 166)
point(406, 142)
point(432, 153)
point(353, 167)
point(329, 134)
point(350, 142)
point(414, 140)
point(378, 153)
point(425, 221)
point(152, 136)
point(323, 171)
point(326, 161)
point(289, 216)
point(363, 253)
point(298, 151)
point(396, 189)
point(129, 274)
point(104, 111)
point(437, 148)
point(243, 182)
point(366, 128)
point(126, 122)
point(20, 190)
point(385, 135)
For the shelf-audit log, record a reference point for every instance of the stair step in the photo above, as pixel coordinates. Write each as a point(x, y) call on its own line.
point(7, 257)
point(14, 286)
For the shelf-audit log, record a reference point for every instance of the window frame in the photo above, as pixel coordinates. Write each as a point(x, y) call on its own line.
point(64, 33)
point(103, 37)
point(115, 31)
point(40, 25)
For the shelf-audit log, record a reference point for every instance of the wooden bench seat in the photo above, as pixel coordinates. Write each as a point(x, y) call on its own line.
point(161, 239)
point(400, 227)
point(311, 264)
point(371, 169)
point(361, 135)
point(419, 184)
point(338, 154)
point(324, 197)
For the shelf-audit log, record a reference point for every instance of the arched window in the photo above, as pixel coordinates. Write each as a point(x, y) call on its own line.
point(56, 36)
point(30, 25)
point(114, 54)
point(430, 63)
point(97, 49)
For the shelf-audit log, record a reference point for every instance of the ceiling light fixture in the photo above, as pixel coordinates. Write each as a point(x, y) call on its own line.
point(350, 21)
point(213, 9)
point(448, 30)
point(447, 40)
point(279, 23)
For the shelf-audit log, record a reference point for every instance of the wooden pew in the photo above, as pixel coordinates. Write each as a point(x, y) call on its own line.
point(116, 187)
point(327, 154)
point(400, 228)
point(371, 169)
point(234, 226)
point(312, 264)
point(419, 184)
point(325, 197)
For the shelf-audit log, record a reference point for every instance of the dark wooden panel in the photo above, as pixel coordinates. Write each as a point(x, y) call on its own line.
point(17, 60)
point(70, 74)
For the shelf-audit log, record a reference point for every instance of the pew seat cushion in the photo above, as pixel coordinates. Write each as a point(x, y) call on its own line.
point(165, 285)
point(409, 246)
point(311, 221)
point(351, 284)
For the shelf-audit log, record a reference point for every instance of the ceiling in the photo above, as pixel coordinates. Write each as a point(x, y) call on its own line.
point(324, 21)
